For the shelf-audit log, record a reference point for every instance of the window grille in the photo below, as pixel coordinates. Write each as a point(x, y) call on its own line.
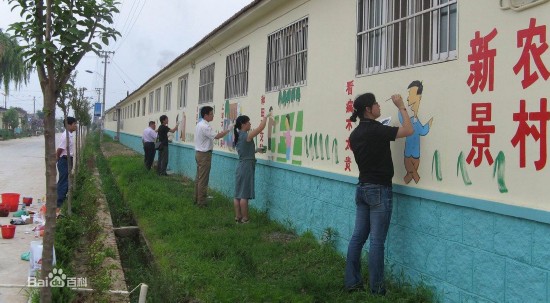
point(144, 101)
point(168, 96)
point(287, 56)
point(236, 74)
point(206, 84)
point(394, 34)
point(182, 91)
point(157, 100)
point(151, 102)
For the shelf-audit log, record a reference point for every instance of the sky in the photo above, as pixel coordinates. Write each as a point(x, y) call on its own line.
point(153, 34)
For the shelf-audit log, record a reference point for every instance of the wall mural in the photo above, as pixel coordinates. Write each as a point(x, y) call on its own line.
point(412, 142)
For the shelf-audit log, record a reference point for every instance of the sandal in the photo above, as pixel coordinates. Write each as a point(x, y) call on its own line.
point(245, 221)
point(238, 220)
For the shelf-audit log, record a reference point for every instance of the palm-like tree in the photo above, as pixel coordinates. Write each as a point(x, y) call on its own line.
point(13, 67)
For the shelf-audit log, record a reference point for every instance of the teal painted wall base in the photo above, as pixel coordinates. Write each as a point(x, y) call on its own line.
point(468, 250)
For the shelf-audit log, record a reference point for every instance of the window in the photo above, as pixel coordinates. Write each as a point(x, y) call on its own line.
point(168, 96)
point(206, 84)
point(182, 91)
point(394, 34)
point(143, 112)
point(151, 102)
point(236, 74)
point(157, 100)
point(138, 107)
point(287, 57)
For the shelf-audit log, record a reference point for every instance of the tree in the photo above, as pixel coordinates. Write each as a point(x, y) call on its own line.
point(13, 67)
point(58, 33)
point(11, 118)
point(40, 114)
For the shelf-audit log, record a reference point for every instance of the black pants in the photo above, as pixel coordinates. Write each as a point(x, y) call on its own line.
point(149, 151)
point(162, 162)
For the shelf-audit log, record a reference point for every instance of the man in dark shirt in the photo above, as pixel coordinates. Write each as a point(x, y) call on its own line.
point(370, 143)
point(163, 148)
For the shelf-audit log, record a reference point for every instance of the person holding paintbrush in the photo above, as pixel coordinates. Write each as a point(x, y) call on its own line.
point(163, 148)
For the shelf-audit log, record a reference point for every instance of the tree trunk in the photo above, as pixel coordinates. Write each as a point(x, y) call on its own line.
point(51, 189)
point(69, 163)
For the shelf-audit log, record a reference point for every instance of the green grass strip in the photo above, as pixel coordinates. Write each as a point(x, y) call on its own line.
point(200, 253)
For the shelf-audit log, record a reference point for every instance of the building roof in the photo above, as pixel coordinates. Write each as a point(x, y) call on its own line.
point(198, 44)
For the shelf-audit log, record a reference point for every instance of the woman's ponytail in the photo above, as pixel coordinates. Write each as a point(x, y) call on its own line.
point(238, 124)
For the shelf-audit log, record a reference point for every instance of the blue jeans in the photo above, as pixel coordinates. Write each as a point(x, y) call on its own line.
point(63, 181)
point(374, 208)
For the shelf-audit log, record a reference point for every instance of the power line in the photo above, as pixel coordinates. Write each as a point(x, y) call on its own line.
point(131, 27)
point(119, 68)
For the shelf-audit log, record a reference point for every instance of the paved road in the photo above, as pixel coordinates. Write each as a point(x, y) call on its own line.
point(22, 170)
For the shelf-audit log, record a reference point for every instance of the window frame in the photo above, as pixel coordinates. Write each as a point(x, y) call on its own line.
point(380, 49)
point(157, 99)
point(236, 73)
point(151, 102)
point(287, 56)
point(206, 83)
point(182, 91)
point(168, 96)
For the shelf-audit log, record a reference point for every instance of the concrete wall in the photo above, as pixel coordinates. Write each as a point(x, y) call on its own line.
point(466, 253)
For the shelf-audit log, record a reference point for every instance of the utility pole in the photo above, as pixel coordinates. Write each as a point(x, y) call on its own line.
point(105, 56)
point(34, 105)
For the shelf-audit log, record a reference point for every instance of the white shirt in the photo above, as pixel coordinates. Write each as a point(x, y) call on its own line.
point(149, 135)
point(204, 136)
point(63, 143)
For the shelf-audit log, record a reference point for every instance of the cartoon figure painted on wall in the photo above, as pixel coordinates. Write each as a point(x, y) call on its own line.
point(181, 131)
point(412, 143)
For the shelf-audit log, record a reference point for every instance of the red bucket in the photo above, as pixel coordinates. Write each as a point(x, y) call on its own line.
point(8, 231)
point(27, 201)
point(11, 200)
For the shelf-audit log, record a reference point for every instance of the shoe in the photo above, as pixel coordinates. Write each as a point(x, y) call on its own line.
point(237, 220)
point(245, 221)
point(356, 288)
point(380, 292)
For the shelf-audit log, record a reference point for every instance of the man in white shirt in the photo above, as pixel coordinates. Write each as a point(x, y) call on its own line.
point(148, 138)
point(63, 157)
point(204, 143)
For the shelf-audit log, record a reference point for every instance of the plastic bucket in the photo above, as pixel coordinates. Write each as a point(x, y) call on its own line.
point(11, 200)
point(27, 201)
point(8, 231)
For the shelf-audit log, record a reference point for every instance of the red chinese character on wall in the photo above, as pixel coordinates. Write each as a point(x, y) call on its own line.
point(524, 130)
point(349, 87)
point(482, 64)
point(261, 138)
point(349, 126)
point(349, 106)
point(262, 112)
point(481, 134)
point(348, 164)
point(262, 100)
point(348, 144)
point(531, 51)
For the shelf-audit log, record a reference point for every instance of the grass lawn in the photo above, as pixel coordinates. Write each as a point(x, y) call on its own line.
point(202, 255)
